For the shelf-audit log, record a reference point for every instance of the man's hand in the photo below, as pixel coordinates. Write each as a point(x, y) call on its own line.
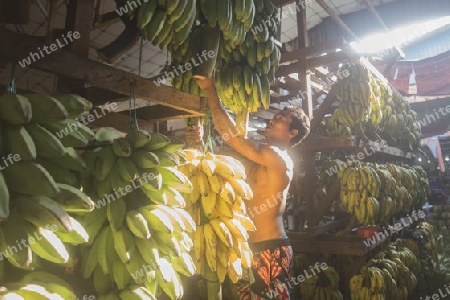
point(205, 83)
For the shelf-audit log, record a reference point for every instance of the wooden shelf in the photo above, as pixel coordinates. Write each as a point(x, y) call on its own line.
point(318, 144)
point(330, 244)
point(65, 63)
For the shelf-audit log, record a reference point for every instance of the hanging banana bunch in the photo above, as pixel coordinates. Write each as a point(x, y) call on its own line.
point(39, 187)
point(245, 70)
point(217, 205)
point(139, 228)
point(162, 22)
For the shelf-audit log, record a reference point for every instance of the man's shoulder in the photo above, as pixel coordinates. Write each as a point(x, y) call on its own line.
point(283, 156)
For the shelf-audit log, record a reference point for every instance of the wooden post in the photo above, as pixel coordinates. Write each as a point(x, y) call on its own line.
point(303, 75)
point(80, 17)
point(305, 78)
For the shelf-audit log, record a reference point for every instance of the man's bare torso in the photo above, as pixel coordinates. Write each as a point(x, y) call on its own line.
point(269, 186)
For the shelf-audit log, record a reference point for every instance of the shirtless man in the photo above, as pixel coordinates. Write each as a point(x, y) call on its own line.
point(269, 179)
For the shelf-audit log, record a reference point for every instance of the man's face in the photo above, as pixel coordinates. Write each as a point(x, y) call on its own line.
point(278, 127)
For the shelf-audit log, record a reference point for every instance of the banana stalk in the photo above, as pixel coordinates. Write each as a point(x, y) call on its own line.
point(209, 42)
point(213, 285)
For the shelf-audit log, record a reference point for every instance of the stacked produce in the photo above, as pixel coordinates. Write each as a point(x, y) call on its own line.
point(314, 284)
point(38, 185)
point(356, 102)
point(162, 22)
point(139, 228)
point(367, 102)
point(374, 192)
point(391, 274)
point(440, 216)
point(39, 285)
point(217, 205)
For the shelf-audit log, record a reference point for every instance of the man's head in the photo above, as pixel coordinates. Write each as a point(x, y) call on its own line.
point(288, 128)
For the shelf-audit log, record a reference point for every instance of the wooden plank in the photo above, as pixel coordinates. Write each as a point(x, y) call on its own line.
point(281, 3)
point(99, 96)
point(161, 113)
point(329, 198)
point(118, 121)
point(323, 109)
point(65, 63)
point(328, 46)
point(326, 60)
point(336, 18)
point(331, 226)
point(329, 143)
point(327, 244)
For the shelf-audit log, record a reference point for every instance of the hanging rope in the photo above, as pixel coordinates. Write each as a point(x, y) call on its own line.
point(209, 142)
point(11, 88)
point(132, 124)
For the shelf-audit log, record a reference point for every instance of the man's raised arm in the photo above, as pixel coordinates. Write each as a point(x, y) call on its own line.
point(226, 126)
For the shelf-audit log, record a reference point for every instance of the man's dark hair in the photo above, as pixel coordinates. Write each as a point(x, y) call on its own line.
point(300, 121)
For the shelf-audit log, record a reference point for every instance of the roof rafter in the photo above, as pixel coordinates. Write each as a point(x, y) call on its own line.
point(337, 19)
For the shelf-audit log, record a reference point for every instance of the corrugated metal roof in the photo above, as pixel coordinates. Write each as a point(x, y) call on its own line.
point(430, 47)
point(395, 14)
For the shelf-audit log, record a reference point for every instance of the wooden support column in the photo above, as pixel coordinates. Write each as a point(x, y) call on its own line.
point(79, 19)
point(303, 75)
point(51, 20)
point(305, 88)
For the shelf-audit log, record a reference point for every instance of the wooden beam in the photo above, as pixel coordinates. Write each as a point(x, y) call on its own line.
point(336, 18)
point(51, 20)
point(82, 22)
point(118, 121)
point(65, 63)
point(121, 45)
point(328, 46)
point(323, 109)
point(161, 113)
point(100, 96)
point(328, 143)
point(332, 193)
point(326, 228)
point(330, 59)
point(328, 244)
point(107, 19)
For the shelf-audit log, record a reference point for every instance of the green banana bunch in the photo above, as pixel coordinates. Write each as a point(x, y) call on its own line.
point(41, 188)
point(166, 22)
point(39, 285)
point(139, 225)
point(245, 72)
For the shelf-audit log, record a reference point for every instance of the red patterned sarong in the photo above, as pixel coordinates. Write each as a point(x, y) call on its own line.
point(272, 261)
